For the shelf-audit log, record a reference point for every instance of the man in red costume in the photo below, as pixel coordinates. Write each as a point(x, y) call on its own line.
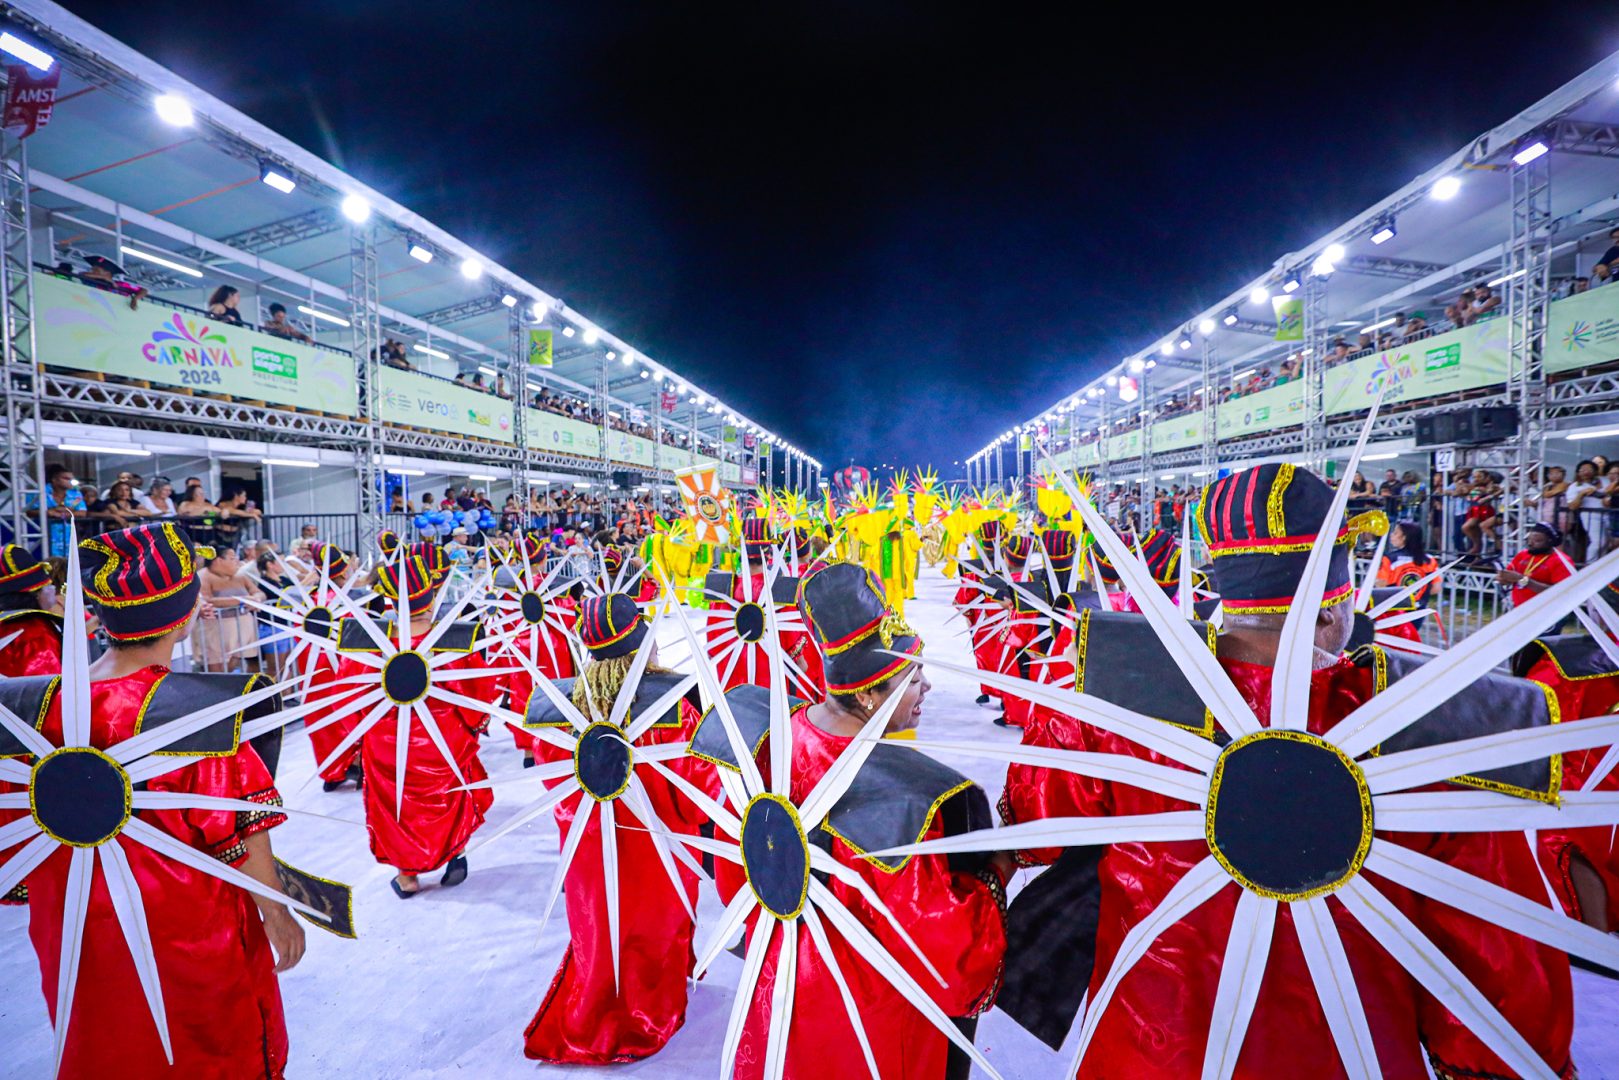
point(333, 570)
point(1006, 648)
point(736, 625)
point(589, 1016)
point(969, 599)
point(435, 819)
point(1538, 567)
point(1158, 1022)
point(951, 906)
point(211, 942)
point(31, 633)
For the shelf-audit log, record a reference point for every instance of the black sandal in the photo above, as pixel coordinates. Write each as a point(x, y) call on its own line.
point(455, 872)
point(403, 894)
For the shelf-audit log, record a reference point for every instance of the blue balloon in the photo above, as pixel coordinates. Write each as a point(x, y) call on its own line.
point(419, 521)
point(436, 517)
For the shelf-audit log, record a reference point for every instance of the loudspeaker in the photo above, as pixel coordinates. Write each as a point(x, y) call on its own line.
point(626, 480)
point(1474, 427)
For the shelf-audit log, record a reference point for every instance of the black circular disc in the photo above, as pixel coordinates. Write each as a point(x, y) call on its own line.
point(533, 606)
point(602, 761)
point(750, 622)
point(1289, 817)
point(318, 622)
point(775, 855)
point(80, 796)
point(1362, 633)
point(405, 678)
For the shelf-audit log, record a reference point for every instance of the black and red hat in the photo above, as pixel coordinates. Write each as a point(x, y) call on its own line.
point(1060, 549)
point(756, 536)
point(432, 557)
point(801, 541)
point(612, 559)
point(990, 531)
point(143, 581)
point(611, 626)
point(21, 571)
point(329, 556)
point(1162, 554)
point(420, 583)
point(388, 542)
point(532, 548)
point(1018, 547)
point(849, 614)
point(1260, 525)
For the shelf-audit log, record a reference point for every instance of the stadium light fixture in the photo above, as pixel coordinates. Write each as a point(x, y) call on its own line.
point(1290, 285)
point(291, 463)
point(174, 110)
point(471, 269)
point(91, 448)
point(1230, 318)
point(1112, 380)
point(273, 177)
point(32, 55)
point(1186, 343)
point(1446, 187)
point(356, 209)
point(1573, 436)
point(1258, 294)
point(487, 478)
point(1138, 365)
point(1334, 253)
point(430, 351)
point(1151, 364)
point(1377, 325)
point(1206, 327)
point(646, 374)
point(629, 357)
point(1504, 278)
point(509, 300)
point(1241, 375)
point(1324, 265)
point(1384, 232)
point(567, 331)
point(592, 335)
point(179, 267)
point(1166, 349)
point(404, 472)
point(1532, 152)
point(421, 254)
point(1390, 456)
point(327, 316)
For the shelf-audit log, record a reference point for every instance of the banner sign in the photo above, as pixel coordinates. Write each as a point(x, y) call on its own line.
point(1465, 359)
point(412, 399)
point(562, 435)
point(87, 329)
point(30, 98)
point(1289, 317)
point(1269, 409)
point(540, 350)
point(668, 400)
point(1178, 432)
point(1583, 330)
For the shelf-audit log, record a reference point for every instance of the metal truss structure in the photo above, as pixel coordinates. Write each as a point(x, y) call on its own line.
point(22, 466)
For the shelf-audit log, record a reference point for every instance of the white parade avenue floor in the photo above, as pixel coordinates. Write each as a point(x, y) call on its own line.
point(444, 985)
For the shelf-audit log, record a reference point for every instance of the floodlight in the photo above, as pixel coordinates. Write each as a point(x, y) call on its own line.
point(471, 269)
point(1165, 349)
point(137, 253)
point(1206, 327)
point(1534, 150)
point(1186, 343)
point(509, 300)
point(1384, 232)
point(32, 55)
point(1258, 294)
point(592, 335)
point(172, 109)
point(1334, 253)
point(1230, 319)
point(539, 311)
point(1290, 285)
point(275, 178)
point(1151, 364)
point(420, 254)
point(1139, 365)
point(356, 208)
point(1446, 187)
point(567, 331)
point(317, 313)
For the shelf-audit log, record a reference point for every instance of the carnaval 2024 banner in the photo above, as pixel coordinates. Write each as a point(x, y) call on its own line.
point(90, 330)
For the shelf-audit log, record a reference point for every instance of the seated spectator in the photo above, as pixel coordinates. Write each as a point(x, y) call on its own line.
point(1461, 312)
point(1386, 340)
point(1601, 274)
point(281, 326)
point(1611, 256)
point(234, 508)
point(1340, 352)
point(1579, 285)
point(199, 514)
point(462, 378)
point(1366, 344)
point(1484, 301)
point(1399, 329)
point(134, 482)
point(159, 501)
point(223, 303)
point(1415, 326)
point(119, 507)
point(108, 276)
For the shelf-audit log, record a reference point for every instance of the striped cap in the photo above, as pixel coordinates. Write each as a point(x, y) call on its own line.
point(1261, 524)
point(1059, 547)
point(329, 556)
point(756, 535)
point(848, 612)
point(1018, 546)
point(21, 571)
point(611, 626)
point(420, 583)
point(1162, 554)
point(531, 547)
point(432, 556)
point(388, 542)
point(143, 581)
point(612, 558)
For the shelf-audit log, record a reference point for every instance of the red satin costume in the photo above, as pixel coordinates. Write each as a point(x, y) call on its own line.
point(213, 960)
point(548, 644)
point(953, 917)
point(37, 648)
point(582, 1020)
point(324, 664)
point(1156, 1026)
point(752, 665)
point(436, 820)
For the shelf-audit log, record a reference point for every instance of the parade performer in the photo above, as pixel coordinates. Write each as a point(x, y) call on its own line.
point(30, 634)
point(620, 991)
point(320, 668)
point(532, 615)
point(1002, 645)
point(1259, 561)
point(162, 885)
point(416, 812)
point(950, 907)
point(736, 616)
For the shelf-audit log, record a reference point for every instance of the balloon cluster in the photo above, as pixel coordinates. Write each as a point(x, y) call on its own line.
point(435, 523)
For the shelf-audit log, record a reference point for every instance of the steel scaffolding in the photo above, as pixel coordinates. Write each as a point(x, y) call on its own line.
point(22, 472)
point(366, 324)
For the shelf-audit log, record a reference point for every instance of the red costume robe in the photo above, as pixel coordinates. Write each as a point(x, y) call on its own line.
point(554, 660)
point(213, 959)
point(954, 918)
point(1006, 650)
point(582, 1020)
point(1580, 697)
point(37, 648)
point(436, 821)
point(752, 665)
point(1156, 1026)
point(324, 664)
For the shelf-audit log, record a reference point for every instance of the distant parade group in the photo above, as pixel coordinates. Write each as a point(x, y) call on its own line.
point(1255, 821)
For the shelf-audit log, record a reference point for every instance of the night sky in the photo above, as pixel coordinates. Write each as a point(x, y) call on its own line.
point(887, 232)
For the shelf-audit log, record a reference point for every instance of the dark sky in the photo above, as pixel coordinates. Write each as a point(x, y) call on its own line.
point(886, 231)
